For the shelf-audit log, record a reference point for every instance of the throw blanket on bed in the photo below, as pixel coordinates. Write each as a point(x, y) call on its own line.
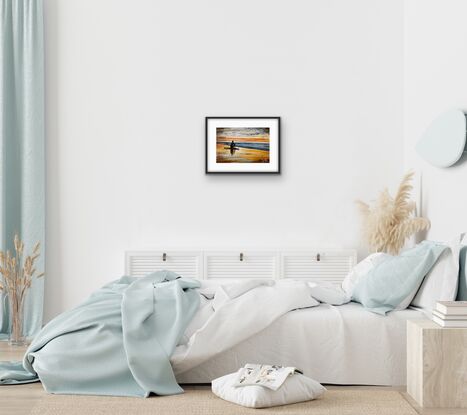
point(118, 342)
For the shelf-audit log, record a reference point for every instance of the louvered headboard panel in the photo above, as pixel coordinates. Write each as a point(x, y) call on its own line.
point(312, 265)
point(319, 266)
point(186, 263)
point(233, 265)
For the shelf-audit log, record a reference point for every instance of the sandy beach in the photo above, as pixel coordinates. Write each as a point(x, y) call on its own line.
point(242, 155)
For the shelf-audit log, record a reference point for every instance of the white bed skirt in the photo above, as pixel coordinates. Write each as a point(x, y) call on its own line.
point(335, 345)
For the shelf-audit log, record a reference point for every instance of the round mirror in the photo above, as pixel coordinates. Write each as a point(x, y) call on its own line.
point(443, 142)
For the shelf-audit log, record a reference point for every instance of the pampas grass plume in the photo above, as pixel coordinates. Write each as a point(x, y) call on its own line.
point(390, 221)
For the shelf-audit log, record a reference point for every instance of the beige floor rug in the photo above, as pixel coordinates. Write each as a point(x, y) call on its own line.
point(203, 402)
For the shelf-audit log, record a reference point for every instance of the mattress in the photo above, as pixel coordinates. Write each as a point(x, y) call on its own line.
point(333, 344)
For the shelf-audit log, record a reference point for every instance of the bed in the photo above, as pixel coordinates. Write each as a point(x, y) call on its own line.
point(333, 344)
point(193, 316)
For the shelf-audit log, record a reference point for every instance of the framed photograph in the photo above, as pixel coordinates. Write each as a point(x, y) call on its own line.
point(243, 145)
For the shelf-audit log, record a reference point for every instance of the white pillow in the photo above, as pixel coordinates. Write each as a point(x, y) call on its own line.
point(296, 388)
point(361, 270)
point(328, 293)
point(441, 283)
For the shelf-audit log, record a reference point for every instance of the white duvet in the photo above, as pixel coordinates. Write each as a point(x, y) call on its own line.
point(230, 314)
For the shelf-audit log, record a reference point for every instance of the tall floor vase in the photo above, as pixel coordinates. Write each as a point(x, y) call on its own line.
point(16, 336)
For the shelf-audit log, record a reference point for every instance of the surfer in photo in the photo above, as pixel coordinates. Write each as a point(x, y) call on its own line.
point(232, 147)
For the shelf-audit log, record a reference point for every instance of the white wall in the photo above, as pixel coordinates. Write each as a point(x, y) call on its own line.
point(435, 67)
point(129, 84)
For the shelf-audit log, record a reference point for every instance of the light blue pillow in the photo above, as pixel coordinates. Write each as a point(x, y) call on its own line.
point(462, 291)
point(393, 283)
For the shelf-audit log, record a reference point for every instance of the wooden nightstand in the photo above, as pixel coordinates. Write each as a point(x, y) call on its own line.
point(436, 365)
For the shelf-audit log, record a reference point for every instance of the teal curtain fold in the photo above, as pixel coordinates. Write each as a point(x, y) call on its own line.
point(22, 175)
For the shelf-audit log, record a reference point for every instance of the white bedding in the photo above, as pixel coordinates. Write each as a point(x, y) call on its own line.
point(238, 312)
point(332, 344)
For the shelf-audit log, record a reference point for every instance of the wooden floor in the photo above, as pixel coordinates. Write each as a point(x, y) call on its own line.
point(20, 399)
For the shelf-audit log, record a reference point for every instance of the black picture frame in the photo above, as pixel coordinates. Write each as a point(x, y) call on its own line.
point(273, 172)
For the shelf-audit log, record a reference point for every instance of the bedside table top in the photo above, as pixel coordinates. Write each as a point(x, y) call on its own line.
point(426, 323)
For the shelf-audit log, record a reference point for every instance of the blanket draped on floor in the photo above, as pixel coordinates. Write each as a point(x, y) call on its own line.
point(118, 342)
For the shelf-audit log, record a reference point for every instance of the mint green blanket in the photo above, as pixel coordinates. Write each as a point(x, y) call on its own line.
point(118, 342)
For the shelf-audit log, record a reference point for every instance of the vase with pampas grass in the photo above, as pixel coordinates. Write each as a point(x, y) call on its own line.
point(391, 220)
point(17, 271)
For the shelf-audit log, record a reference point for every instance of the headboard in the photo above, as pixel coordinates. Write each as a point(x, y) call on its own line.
point(314, 265)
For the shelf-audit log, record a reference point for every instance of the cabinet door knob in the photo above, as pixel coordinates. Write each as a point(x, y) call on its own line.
point(241, 256)
point(318, 257)
point(164, 257)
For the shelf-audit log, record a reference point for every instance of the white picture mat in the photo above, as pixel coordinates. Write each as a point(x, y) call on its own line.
point(271, 123)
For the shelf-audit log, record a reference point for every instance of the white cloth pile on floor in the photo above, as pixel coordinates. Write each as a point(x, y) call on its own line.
point(263, 386)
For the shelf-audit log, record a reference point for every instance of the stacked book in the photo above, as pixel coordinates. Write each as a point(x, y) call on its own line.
point(450, 313)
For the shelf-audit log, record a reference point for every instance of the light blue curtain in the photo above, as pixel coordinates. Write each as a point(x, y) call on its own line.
point(22, 177)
